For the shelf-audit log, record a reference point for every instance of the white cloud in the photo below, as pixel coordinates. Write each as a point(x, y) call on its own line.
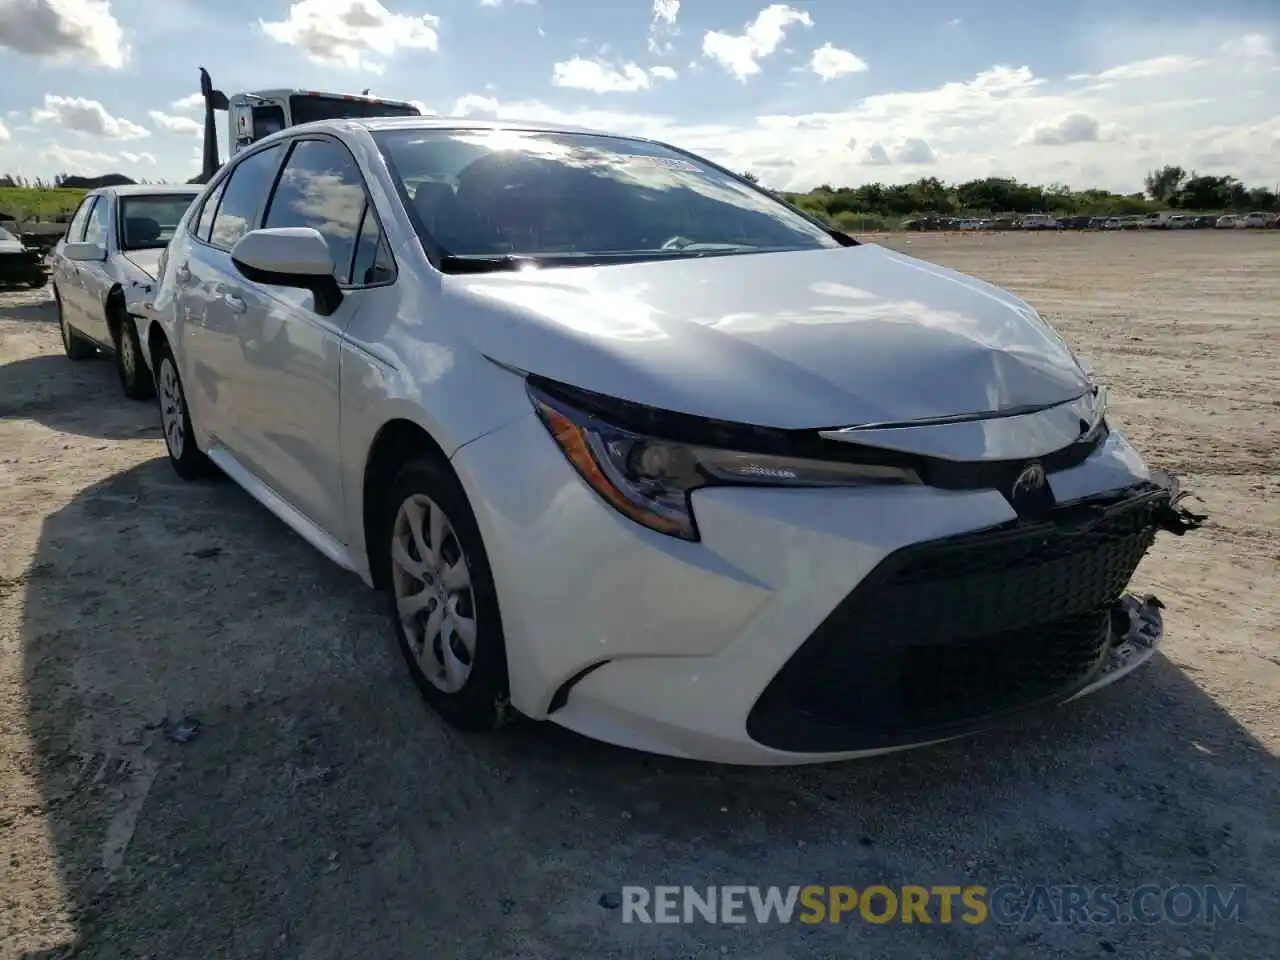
point(663, 25)
point(598, 77)
point(4, 133)
point(876, 155)
point(186, 104)
point(89, 162)
point(740, 53)
point(1071, 128)
point(83, 30)
point(499, 3)
point(663, 73)
point(473, 103)
point(87, 117)
point(171, 124)
point(1253, 46)
point(1145, 69)
point(914, 152)
point(355, 34)
point(830, 62)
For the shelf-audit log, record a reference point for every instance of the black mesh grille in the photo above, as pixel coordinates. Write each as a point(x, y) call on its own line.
point(948, 635)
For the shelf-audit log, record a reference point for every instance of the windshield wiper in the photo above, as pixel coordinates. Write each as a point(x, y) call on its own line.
point(484, 263)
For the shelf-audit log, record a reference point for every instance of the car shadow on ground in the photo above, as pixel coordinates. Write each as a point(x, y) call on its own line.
point(42, 312)
point(320, 810)
point(83, 397)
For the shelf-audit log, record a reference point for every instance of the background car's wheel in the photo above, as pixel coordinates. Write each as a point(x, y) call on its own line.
point(443, 600)
point(175, 421)
point(74, 345)
point(135, 378)
point(35, 283)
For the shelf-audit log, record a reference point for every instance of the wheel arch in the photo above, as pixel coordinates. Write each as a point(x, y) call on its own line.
point(396, 442)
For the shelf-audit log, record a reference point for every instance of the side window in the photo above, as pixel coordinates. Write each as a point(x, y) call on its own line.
point(321, 187)
point(372, 263)
point(242, 199)
point(95, 230)
point(75, 229)
point(205, 223)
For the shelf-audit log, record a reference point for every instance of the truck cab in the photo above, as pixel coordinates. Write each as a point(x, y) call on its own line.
point(260, 113)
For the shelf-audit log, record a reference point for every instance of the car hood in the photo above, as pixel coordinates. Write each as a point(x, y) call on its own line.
point(148, 261)
point(849, 336)
point(12, 246)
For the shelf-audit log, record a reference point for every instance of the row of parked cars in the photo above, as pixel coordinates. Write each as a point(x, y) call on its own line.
point(1041, 221)
point(628, 444)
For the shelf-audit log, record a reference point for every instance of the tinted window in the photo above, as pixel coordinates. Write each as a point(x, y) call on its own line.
point(149, 222)
point(208, 210)
point(75, 230)
point(561, 196)
point(309, 109)
point(372, 262)
point(242, 199)
point(95, 231)
point(267, 120)
point(320, 187)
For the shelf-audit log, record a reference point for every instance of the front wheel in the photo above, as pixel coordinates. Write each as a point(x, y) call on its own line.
point(188, 461)
point(135, 378)
point(443, 600)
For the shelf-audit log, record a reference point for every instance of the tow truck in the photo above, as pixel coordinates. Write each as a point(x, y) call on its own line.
point(254, 115)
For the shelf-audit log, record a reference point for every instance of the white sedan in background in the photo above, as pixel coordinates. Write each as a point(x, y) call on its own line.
point(104, 269)
point(635, 447)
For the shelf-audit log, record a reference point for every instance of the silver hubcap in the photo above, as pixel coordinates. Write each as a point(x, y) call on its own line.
point(171, 409)
point(432, 582)
point(128, 359)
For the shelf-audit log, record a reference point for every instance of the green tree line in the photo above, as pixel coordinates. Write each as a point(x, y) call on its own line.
point(1168, 188)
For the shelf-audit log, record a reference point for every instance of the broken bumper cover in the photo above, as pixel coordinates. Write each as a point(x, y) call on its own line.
point(948, 637)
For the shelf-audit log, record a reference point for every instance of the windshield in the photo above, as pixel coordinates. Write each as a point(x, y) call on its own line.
point(149, 222)
point(307, 109)
point(580, 198)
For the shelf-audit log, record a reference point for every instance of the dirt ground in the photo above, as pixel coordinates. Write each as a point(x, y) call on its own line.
point(323, 812)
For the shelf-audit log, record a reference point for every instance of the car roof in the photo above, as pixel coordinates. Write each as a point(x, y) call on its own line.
point(148, 189)
point(452, 123)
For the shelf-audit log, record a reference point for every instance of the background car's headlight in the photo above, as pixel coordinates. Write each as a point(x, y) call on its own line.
point(650, 479)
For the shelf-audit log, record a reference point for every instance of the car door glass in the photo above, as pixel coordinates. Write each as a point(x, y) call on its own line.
point(210, 207)
point(321, 187)
point(75, 230)
point(95, 230)
point(372, 263)
point(246, 189)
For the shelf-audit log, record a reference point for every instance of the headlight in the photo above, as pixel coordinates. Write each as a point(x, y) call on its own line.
point(649, 479)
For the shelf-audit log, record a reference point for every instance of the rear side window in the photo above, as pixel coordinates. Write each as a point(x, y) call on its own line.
point(243, 197)
point(75, 230)
point(321, 187)
point(95, 231)
point(208, 210)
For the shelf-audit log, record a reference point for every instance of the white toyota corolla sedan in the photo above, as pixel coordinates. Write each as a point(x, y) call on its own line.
point(635, 447)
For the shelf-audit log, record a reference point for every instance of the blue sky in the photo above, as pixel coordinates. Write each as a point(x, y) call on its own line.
point(1092, 92)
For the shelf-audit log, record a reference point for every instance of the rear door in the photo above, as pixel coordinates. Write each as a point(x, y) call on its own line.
point(290, 395)
point(213, 361)
point(95, 277)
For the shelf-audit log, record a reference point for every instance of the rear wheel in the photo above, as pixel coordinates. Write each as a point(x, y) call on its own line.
point(135, 378)
point(75, 346)
point(175, 420)
point(443, 600)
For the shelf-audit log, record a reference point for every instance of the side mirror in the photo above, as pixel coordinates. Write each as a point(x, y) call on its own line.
point(290, 257)
point(85, 252)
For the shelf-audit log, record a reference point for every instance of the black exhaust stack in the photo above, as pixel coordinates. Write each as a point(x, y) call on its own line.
point(214, 100)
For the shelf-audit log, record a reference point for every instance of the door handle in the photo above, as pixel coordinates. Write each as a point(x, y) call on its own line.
point(234, 302)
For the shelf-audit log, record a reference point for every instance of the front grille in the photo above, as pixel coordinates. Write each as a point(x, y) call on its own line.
point(949, 635)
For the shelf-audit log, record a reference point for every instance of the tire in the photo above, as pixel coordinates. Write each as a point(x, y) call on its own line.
point(482, 700)
point(135, 378)
point(75, 346)
point(175, 419)
point(35, 283)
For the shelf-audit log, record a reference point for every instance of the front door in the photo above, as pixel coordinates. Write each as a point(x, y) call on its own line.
point(289, 402)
